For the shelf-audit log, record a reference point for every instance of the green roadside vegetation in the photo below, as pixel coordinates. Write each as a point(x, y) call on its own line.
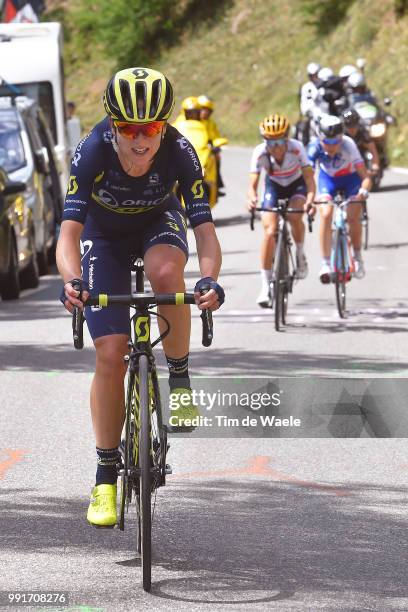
point(249, 55)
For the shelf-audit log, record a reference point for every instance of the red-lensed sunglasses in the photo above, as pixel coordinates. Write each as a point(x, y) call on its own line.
point(132, 130)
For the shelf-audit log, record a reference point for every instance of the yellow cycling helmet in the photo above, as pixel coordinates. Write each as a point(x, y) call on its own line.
point(206, 102)
point(274, 126)
point(190, 103)
point(139, 95)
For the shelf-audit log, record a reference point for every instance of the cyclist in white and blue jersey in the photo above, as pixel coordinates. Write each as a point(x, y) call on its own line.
point(340, 167)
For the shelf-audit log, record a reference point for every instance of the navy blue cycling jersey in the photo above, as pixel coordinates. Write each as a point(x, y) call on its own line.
point(103, 195)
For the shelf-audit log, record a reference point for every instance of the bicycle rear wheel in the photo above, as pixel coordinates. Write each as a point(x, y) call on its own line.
point(340, 258)
point(145, 479)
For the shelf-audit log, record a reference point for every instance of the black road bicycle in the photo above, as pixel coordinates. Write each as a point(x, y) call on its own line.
point(144, 447)
point(284, 266)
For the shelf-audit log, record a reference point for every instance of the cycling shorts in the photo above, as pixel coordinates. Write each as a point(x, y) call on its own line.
point(107, 261)
point(328, 185)
point(274, 192)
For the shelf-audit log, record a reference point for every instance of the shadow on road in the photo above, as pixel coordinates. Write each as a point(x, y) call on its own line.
point(397, 187)
point(234, 542)
point(235, 220)
point(233, 361)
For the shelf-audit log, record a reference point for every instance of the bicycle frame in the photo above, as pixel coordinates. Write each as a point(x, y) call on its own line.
point(338, 266)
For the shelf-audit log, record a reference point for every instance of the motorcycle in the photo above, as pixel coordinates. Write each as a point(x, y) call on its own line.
point(196, 132)
point(377, 121)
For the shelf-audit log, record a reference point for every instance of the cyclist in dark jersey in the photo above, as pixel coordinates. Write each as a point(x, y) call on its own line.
point(120, 203)
point(361, 136)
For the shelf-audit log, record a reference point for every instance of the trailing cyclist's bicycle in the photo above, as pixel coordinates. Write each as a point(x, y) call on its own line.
point(284, 266)
point(144, 447)
point(342, 263)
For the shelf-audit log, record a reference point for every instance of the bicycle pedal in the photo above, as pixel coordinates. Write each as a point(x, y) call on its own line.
point(168, 469)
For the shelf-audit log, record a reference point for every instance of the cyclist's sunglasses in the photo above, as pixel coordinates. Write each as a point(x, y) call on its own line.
point(275, 142)
point(132, 130)
point(332, 141)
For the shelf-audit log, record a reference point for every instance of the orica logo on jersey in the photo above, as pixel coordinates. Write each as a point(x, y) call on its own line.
point(106, 199)
point(75, 159)
point(86, 246)
point(182, 142)
point(185, 145)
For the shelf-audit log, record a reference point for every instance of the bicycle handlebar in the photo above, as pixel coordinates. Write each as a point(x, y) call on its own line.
point(281, 210)
point(104, 300)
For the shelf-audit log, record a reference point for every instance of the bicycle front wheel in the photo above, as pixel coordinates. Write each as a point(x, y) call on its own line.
point(340, 258)
point(285, 283)
point(145, 480)
point(364, 223)
point(278, 281)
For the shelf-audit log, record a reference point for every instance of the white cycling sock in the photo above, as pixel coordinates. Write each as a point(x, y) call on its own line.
point(299, 249)
point(266, 276)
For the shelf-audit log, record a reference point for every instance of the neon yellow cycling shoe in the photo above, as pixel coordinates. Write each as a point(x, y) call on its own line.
point(184, 415)
point(102, 507)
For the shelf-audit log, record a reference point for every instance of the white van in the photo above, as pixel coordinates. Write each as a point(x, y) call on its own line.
point(31, 59)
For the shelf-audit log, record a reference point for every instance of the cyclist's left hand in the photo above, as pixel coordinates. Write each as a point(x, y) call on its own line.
point(360, 196)
point(213, 299)
point(310, 209)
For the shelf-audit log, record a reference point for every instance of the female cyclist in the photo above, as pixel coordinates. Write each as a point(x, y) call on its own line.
point(120, 203)
point(289, 174)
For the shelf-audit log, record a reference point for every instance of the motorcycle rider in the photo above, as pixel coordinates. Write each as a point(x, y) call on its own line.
point(354, 128)
point(288, 175)
point(347, 70)
point(357, 89)
point(341, 167)
point(307, 96)
point(331, 94)
point(308, 91)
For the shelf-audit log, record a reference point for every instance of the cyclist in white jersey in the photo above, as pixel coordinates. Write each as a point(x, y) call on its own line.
point(341, 168)
point(288, 175)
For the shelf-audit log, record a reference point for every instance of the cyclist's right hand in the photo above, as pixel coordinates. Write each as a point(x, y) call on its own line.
point(71, 297)
point(251, 203)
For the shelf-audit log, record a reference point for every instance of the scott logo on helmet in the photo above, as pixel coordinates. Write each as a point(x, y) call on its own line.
point(140, 73)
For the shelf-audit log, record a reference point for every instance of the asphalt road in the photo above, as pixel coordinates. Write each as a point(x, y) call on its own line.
point(245, 523)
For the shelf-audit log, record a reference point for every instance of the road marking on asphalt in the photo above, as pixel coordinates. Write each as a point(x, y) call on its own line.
point(14, 456)
point(259, 465)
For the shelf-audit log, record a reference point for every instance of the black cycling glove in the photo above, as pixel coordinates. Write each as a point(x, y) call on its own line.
point(210, 283)
point(78, 284)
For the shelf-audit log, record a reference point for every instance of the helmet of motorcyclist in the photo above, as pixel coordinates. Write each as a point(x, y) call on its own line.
point(206, 102)
point(190, 103)
point(346, 70)
point(350, 117)
point(313, 68)
point(274, 126)
point(356, 80)
point(330, 127)
point(138, 95)
point(325, 74)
